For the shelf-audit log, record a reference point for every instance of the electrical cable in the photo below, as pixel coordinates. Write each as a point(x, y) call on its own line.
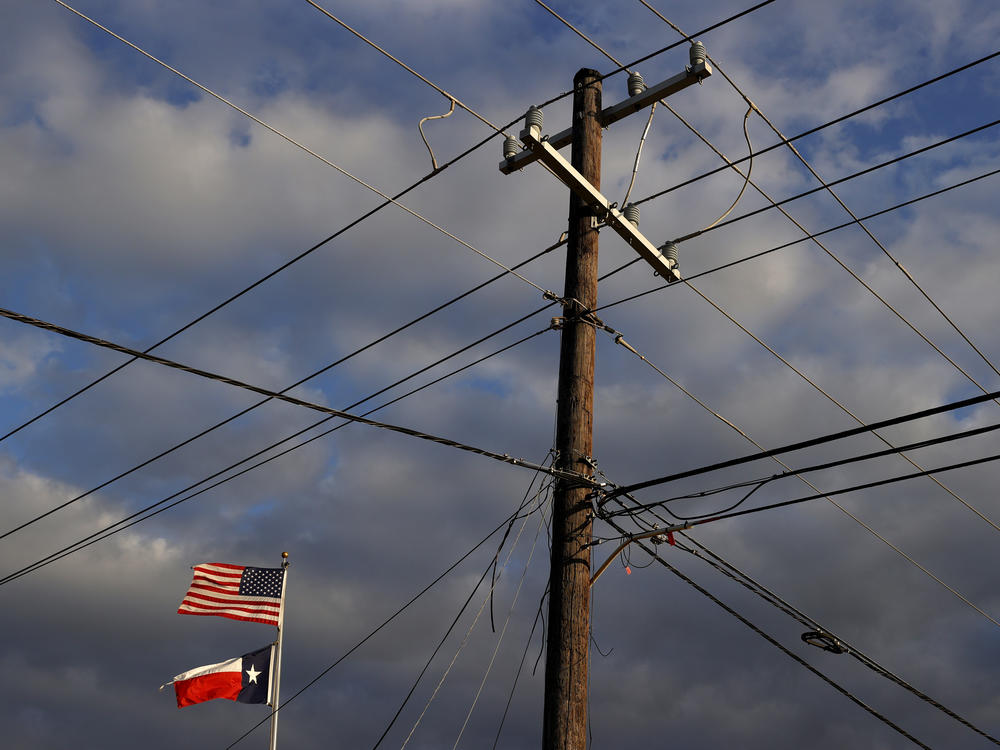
point(517, 676)
point(983, 517)
point(613, 59)
point(841, 180)
point(503, 631)
point(305, 148)
point(406, 67)
point(854, 488)
point(461, 646)
point(134, 518)
point(758, 483)
point(833, 256)
point(818, 128)
point(792, 243)
point(460, 156)
point(638, 155)
point(420, 127)
point(457, 617)
point(735, 574)
point(795, 657)
point(746, 135)
point(505, 458)
point(826, 186)
point(801, 445)
point(728, 569)
point(843, 265)
point(363, 217)
point(374, 632)
point(895, 548)
point(322, 370)
point(713, 27)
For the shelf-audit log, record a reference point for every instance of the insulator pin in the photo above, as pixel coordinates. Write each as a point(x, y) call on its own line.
point(635, 83)
point(631, 213)
point(510, 147)
point(698, 54)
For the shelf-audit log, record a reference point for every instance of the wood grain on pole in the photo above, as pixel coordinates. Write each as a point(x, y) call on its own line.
point(567, 660)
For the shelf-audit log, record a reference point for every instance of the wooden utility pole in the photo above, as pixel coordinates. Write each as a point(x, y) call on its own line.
point(567, 659)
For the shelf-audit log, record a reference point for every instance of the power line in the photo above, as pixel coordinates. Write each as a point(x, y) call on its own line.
point(444, 638)
point(363, 217)
point(857, 278)
point(137, 517)
point(826, 250)
point(300, 145)
point(826, 186)
point(733, 573)
point(703, 31)
point(816, 386)
point(373, 633)
point(803, 444)
point(795, 657)
point(744, 579)
point(713, 27)
point(841, 180)
point(309, 251)
point(825, 125)
point(758, 483)
point(798, 241)
point(812, 383)
point(845, 490)
point(299, 382)
point(909, 558)
point(406, 67)
point(833, 256)
point(472, 627)
point(505, 458)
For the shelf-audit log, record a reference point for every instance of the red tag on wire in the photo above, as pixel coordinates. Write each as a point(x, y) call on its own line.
point(670, 538)
point(628, 570)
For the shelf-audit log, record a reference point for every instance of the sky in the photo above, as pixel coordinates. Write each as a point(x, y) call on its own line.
point(133, 203)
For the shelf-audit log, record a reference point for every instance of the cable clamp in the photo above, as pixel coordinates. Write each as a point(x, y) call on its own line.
point(557, 323)
point(619, 339)
point(822, 639)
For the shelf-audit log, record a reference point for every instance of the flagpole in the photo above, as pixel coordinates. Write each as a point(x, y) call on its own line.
point(276, 672)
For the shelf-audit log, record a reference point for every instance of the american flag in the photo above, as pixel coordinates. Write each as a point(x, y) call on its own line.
point(235, 591)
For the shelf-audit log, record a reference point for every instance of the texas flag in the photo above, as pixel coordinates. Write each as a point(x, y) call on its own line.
point(246, 679)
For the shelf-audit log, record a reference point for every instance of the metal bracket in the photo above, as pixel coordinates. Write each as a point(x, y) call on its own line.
point(611, 216)
point(691, 75)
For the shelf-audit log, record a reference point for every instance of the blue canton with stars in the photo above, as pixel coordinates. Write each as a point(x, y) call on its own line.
point(262, 582)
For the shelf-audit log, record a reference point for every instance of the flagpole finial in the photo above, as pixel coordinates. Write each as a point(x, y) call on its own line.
point(284, 555)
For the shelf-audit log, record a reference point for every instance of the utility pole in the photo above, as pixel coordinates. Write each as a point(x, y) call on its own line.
point(567, 658)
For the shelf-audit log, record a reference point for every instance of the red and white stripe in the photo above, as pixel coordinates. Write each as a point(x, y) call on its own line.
point(215, 590)
point(222, 680)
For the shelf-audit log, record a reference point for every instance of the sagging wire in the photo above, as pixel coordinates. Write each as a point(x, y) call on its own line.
point(510, 696)
point(420, 127)
point(510, 612)
point(638, 154)
point(543, 490)
point(834, 644)
point(746, 135)
point(448, 633)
